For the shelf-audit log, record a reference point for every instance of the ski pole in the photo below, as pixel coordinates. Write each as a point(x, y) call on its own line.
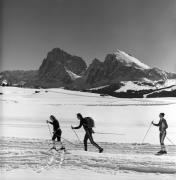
point(170, 141)
point(76, 135)
point(49, 130)
point(110, 133)
point(69, 141)
point(146, 133)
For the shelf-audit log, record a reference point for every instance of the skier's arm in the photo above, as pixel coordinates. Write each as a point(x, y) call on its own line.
point(49, 122)
point(78, 127)
point(156, 124)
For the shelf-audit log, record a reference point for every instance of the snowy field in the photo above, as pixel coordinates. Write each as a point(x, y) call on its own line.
point(24, 136)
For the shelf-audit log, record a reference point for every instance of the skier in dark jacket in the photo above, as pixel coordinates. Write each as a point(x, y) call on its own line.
point(89, 131)
point(162, 128)
point(57, 132)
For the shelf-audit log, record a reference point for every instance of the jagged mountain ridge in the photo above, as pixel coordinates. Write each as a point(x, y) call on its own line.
point(19, 76)
point(60, 69)
point(114, 69)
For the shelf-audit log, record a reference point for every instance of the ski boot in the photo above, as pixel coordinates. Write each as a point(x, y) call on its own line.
point(101, 150)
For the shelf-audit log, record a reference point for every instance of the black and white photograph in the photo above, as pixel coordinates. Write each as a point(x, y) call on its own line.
point(87, 89)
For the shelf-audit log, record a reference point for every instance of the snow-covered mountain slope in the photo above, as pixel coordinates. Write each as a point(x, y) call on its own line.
point(163, 92)
point(98, 88)
point(139, 89)
point(147, 85)
point(72, 75)
point(130, 60)
point(135, 86)
point(170, 82)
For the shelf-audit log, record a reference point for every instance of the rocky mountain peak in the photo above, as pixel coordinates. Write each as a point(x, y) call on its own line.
point(58, 57)
point(59, 67)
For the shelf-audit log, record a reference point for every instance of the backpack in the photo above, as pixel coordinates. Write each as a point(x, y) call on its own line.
point(90, 122)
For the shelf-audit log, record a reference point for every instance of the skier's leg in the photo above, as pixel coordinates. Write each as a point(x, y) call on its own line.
point(92, 140)
point(53, 139)
point(162, 141)
point(85, 141)
point(160, 137)
point(59, 133)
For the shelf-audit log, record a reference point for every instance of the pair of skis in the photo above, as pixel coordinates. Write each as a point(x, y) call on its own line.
point(58, 149)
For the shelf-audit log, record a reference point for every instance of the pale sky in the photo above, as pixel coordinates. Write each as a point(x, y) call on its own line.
point(87, 28)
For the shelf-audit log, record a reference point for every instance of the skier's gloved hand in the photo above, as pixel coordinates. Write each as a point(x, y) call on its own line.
point(47, 121)
point(72, 127)
point(152, 122)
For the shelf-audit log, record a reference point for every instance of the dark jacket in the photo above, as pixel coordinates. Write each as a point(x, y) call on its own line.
point(83, 123)
point(162, 125)
point(56, 125)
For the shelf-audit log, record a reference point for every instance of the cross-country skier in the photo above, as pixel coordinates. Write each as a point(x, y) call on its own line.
point(57, 132)
point(88, 129)
point(162, 128)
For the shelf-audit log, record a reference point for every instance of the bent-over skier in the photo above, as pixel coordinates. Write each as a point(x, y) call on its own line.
point(162, 128)
point(88, 129)
point(57, 132)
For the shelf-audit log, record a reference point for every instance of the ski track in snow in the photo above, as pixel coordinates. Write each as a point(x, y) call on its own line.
point(18, 153)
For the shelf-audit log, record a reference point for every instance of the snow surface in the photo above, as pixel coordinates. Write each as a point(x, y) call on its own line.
point(34, 154)
point(24, 136)
point(23, 111)
point(130, 60)
point(65, 174)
